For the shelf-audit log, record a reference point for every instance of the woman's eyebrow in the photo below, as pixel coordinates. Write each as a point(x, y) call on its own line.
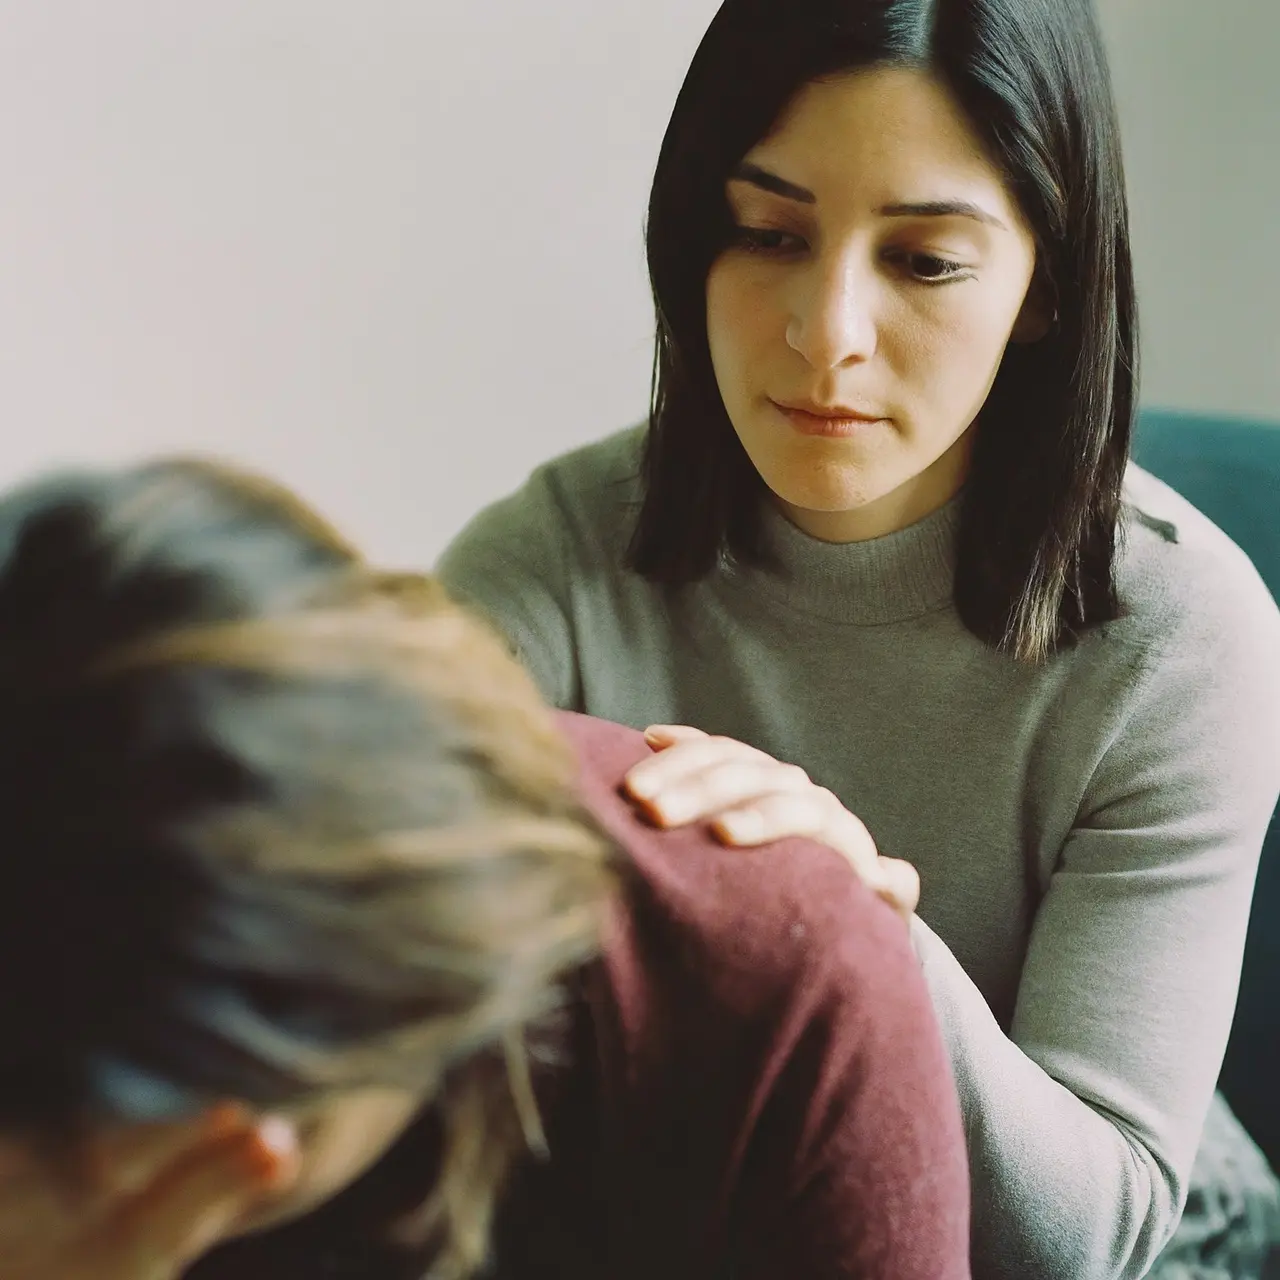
point(941, 209)
point(766, 181)
point(775, 185)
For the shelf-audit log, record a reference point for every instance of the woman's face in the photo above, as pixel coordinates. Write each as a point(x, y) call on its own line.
point(881, 268)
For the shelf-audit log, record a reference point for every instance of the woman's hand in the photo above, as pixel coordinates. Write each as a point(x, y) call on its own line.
point(749, 798)
point(139, 1203)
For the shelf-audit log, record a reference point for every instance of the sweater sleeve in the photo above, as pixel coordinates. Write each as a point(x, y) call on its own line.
point(857, 1165)
point(511, 564)
point(1089, 1113)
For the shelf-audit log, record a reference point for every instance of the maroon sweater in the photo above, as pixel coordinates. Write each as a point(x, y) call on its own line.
point(753, 1087)
point(774, 1096)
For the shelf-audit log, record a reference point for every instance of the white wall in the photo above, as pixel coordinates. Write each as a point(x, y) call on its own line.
point(391, 250)
point(1198, 82)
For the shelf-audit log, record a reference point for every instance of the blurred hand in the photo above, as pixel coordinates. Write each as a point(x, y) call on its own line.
point(750, 799)
point(143, 1202)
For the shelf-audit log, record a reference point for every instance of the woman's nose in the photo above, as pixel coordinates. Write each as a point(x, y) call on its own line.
point(832, 322)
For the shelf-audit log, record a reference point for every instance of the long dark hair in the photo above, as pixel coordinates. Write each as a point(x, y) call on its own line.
point(272, 825)
point(1042, 500)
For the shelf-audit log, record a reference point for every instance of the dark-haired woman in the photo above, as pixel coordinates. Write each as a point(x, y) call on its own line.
point(328, 953)
point(880, 543)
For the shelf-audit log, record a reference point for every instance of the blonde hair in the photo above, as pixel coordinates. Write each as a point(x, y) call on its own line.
point(374, 832)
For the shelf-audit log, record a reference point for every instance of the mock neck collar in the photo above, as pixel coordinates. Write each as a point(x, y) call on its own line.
point(881, 580)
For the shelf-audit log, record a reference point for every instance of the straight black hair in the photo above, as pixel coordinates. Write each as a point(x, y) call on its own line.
point(1042, 501)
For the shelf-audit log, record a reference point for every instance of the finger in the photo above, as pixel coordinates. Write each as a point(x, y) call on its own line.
point(127, 1157)
point(660, 736)
point(682, 759)
point(726, 785)
point(684, 763)
point(766, 818)
point(810, 812)
point(196, 1202)
point(34, 1203)
point(83, 1182)
point(899, 885)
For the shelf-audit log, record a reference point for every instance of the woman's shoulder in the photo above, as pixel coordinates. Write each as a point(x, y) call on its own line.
point(611, 460)
point(584, 498)
point(764, 1042)
point(1178, 574)
point(790, 916)
point(1199, 632)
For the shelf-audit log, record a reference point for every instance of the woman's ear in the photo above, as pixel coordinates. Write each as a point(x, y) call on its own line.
point(1039, 315)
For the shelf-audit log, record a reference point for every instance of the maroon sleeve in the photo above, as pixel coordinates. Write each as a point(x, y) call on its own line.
point(857, 1165)
point(780, 1073)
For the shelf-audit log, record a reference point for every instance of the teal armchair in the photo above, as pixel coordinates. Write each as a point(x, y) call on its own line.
point(1230, 470)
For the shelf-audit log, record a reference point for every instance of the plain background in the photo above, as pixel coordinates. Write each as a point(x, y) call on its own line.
point(391, 251)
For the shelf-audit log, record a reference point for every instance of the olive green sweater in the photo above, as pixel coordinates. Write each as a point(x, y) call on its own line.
point(1087, 831)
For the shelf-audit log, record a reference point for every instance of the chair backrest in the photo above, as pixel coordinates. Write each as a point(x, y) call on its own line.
point(1230, 470)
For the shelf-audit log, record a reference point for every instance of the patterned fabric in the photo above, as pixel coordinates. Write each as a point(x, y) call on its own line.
point(1230, 1229)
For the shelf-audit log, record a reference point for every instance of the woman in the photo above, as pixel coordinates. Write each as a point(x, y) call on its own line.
point(326, 951)
point(880, 541)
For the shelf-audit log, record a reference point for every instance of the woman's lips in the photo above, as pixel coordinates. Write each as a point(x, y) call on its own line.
point(835, 423)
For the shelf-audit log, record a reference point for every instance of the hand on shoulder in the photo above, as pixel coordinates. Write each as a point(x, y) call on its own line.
point(749, 799)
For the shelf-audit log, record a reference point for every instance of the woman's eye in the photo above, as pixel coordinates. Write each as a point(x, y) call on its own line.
point(929, 268)
point(763, 240)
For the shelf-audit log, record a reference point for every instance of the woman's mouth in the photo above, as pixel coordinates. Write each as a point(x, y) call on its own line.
point(836, 421)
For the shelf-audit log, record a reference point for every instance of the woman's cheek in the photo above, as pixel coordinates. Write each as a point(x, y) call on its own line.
point(740, 306)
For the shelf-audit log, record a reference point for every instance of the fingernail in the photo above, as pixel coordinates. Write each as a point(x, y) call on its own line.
point(277, 1135)
point(272, 1141)
point(661, 736)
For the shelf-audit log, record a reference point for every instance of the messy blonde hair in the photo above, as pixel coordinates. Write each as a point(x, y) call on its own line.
point(295, 825)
